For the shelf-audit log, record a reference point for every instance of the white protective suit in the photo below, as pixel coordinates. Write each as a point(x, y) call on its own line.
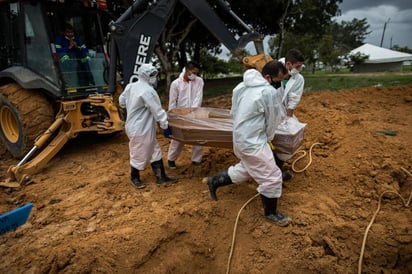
point(185, 94)
point(293, 90)
point(291, 95)
point(256, 111)
point(144, 109)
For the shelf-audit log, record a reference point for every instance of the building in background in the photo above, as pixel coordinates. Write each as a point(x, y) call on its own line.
point(380, 59)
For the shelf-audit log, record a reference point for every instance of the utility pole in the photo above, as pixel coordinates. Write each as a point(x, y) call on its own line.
point(384, 28)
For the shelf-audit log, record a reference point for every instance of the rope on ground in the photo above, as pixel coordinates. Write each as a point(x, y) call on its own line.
point(238, 215)
point(234, 233)
point(405, 203)
point(303, 155)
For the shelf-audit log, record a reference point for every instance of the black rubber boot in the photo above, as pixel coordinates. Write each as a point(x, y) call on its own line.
point(278, 161)
point(135, 177)
point(286, 176)
point(220, 179)
point(271, 213)
point(159, 171)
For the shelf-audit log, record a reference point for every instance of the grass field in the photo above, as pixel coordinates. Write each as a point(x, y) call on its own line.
point(323, 81)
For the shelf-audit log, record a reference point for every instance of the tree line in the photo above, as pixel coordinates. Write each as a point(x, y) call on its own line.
point(304, 24)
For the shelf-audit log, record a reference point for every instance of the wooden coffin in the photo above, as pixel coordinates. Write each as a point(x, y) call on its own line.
point(213, 127)
point(202, 126)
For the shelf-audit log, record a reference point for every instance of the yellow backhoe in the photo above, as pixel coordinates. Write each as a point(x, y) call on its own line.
point(49, 94)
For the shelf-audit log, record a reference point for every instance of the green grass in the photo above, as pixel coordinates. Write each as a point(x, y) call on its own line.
point(217, 87)
point(315, 82)
point(323, 81)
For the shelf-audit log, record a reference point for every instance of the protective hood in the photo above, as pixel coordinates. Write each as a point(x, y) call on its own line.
point(146, 71)
point(252, 78)
point(182, 74)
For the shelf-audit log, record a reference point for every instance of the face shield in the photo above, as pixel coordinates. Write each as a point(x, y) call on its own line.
point(153, 79)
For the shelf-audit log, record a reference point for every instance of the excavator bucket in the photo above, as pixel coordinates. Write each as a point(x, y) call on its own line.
point(256, 61)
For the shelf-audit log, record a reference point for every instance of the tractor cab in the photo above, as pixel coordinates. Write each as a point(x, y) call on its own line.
point(84, 67)
point(37, 53)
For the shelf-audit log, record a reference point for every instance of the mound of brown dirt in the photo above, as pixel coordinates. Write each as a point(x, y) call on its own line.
point(88, 218)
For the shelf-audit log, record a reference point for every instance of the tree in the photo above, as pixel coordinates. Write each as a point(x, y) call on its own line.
point(328, 45)
point(276, 52)
point(171, 39)
point(298, 23)
point(212, 66)
point(402, 49)
point(185, 37)
point(356, 59)
point(303, 25)
point(349, 35)
point(307, 22)
point(329, 54)
point(311, 16)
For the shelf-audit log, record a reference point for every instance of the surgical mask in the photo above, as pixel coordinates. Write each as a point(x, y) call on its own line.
point(293, 72)
point(153, 81)
point(192, 77)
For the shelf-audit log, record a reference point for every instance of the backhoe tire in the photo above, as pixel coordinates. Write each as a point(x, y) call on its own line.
point(24, 115)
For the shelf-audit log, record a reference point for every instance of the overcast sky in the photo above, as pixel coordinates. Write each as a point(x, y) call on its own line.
point(398, 14)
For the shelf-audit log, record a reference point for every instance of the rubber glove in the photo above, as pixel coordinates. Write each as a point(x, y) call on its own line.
point(167, 132)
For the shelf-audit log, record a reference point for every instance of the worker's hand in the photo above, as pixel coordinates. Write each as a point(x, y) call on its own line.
point(167, 132)
point(73, 44)
point(289, 112)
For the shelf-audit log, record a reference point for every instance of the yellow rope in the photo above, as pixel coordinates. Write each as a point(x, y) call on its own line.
point(234, 233)
point(303, 155)
point(238, 215)
point(405, 203)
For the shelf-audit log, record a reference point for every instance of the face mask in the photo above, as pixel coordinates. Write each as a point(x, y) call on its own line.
point(153, 81)
point(276, 85)
point(293, 72)
point(191, 77)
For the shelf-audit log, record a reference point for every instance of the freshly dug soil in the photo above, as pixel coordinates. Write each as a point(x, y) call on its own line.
point(88, 218)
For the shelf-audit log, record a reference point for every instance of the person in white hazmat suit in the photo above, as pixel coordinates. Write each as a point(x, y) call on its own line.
point(186, 92)
point(144, 109)
point(256, 111)
point(292, 90)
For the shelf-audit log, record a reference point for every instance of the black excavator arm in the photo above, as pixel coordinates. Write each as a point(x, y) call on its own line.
point(133, 38)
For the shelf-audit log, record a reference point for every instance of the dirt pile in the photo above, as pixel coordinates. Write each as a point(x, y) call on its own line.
point(88, 218)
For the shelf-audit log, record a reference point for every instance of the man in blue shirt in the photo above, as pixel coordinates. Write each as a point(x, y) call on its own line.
point(74, 58)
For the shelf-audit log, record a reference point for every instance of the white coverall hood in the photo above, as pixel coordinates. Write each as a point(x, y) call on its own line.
point(252, 78)
point(146, 71)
